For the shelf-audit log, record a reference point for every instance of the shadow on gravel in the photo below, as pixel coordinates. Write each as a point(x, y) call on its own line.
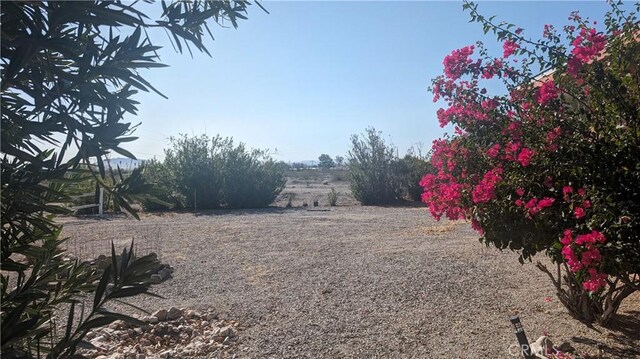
point(625, 331)
point(242, 212)
point(402, 204)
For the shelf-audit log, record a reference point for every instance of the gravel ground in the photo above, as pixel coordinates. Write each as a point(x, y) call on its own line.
point(352, 281)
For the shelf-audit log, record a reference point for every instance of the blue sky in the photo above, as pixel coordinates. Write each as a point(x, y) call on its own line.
point(300, 80)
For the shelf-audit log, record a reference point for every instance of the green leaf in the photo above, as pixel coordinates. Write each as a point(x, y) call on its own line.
point(102, 287)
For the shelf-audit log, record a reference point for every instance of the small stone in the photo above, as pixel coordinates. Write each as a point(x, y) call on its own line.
point(174, 313)
point(227, 331)
point(116, 325)
point(192, 314)
point(164, 274)
point(151, 319)
point(204, 323)
point(155, 279)
point(161, 314)
point(140, 356)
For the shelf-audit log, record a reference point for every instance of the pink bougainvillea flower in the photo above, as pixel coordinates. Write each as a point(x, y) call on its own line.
point(582, 192)
point(572, 260)
point(456, 63)
point(520, 191)
point(548, 299)
point(596, 280)
point(547, 93)
point(545, 203)
point(485, 190)
point(590, 238)
point(578, 212)
point(509, 47)
point(587, 46)
point(475, 224)
point(525, 157)
point(586, 204)
point(519, 202)
point(494, 151)
point(567, 239)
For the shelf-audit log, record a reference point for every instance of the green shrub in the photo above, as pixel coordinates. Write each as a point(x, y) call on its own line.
point(200, 172)
point(157, 173)
point(249, 179)
point(413, 169)
point(192, 172)
point(372, 171)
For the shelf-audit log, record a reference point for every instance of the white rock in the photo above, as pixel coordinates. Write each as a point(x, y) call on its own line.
point(541, 347)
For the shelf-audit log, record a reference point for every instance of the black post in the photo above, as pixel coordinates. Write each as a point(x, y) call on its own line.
point(522, 338)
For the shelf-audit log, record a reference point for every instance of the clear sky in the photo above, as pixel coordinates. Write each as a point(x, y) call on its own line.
point(305, 77)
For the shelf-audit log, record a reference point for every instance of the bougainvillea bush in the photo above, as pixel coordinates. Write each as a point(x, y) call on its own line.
point(545, 155)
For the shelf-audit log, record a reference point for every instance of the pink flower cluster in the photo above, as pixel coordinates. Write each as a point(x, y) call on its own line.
point(459, 113)
point(442, 191)
point(586, 47)
point(582, 253)
point(485, 190)
point(456, 63)
point(525, 157)
point(547, 93)
point(509, 47)
point(443, 195)
point(534, 205)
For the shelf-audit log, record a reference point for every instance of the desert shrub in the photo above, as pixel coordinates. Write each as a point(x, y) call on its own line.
point(193, 170)
point(551, 164)
point(203, 172)
point(371, 169)
point(332, 196)
point(157, 173)
point(250, 178)
point(70, 74)
point(413, 169)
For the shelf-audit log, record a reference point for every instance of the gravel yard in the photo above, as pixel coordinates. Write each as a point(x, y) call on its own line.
point(353, 282)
